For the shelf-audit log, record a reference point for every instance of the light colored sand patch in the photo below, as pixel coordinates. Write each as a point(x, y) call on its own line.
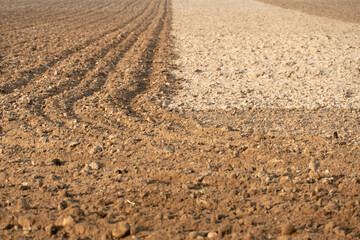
point(239, 54)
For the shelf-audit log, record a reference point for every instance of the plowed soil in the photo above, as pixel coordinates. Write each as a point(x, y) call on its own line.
point(89, 149)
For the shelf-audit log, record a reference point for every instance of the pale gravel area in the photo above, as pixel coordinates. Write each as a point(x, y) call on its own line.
point(243, 53)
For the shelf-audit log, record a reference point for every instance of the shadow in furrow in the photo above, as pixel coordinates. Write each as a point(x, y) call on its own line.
point(146, 61)
point(102, 78)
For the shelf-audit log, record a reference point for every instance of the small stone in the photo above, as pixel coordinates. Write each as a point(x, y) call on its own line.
point(73, 144)
point(22, 204)
point(313, 165)
point(314, 175)
point(287, 229)
point(36, 176)
point(74, 237)
point(68, 221)
point(212, 235)
point(44, 139)
point(226, 129)
point(76, 211)
point(248, 236)
point(62, 205)
point(193, 235)
point(25, 221)
point(263, 175)
point(332, 207)
point(105, 236)
point(224, 229)
point(64, 193)
point(95, 150)
point(121, 229)
point(248, 222)
point(6, 220)
point(81, 228)
point(170, 149)
point(50, 229)
point(24, 186)
point(236, 236)
point(86, 168)
point(94, 165)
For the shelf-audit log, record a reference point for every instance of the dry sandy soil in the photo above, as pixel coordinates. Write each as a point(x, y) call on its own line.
point(90, 148)
point(241, 54)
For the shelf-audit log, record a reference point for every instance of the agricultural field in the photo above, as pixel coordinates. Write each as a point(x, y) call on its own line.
point(179, 119)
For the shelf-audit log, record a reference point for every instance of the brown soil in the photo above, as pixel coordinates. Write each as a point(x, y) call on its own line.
point(345, 10)
point(85, 145)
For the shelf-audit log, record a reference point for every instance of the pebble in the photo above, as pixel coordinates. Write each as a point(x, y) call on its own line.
point(193, 235)
point(332, 207)
point(24, 186)
point(62, 205)
point(22, 204)
point(44, 139)
point(76, 211)
point(86, 168)
point(50, 229)
point(81, 228)
point(224, 229)
point(94, 165)
point(227, 129)
point(68, 221)
point(121, 229)
point(95, 150)
point(287, 229)
point(25, 221)
point(212, 235)
point(263, 175)
point(170, 149)
point(73, 144)
point(248, 222)
point(314, 175)
point(64, 193)
point(6, 219)
point(248, 236)
point(313, 165)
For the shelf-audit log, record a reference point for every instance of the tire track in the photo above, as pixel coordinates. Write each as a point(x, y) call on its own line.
point(65, 33)
point(27, 76)
point(141, 72)
point(68, 33)
point(43, 12)
point(97, 73)
point(117, 58)
point(74, 17)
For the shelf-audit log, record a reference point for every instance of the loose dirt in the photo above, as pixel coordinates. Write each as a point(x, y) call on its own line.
point(90, 150)
point(344, 10)
point(241, 54)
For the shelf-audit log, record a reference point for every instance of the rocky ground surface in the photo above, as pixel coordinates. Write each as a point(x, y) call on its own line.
point(89, 148)
point(241, 54)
